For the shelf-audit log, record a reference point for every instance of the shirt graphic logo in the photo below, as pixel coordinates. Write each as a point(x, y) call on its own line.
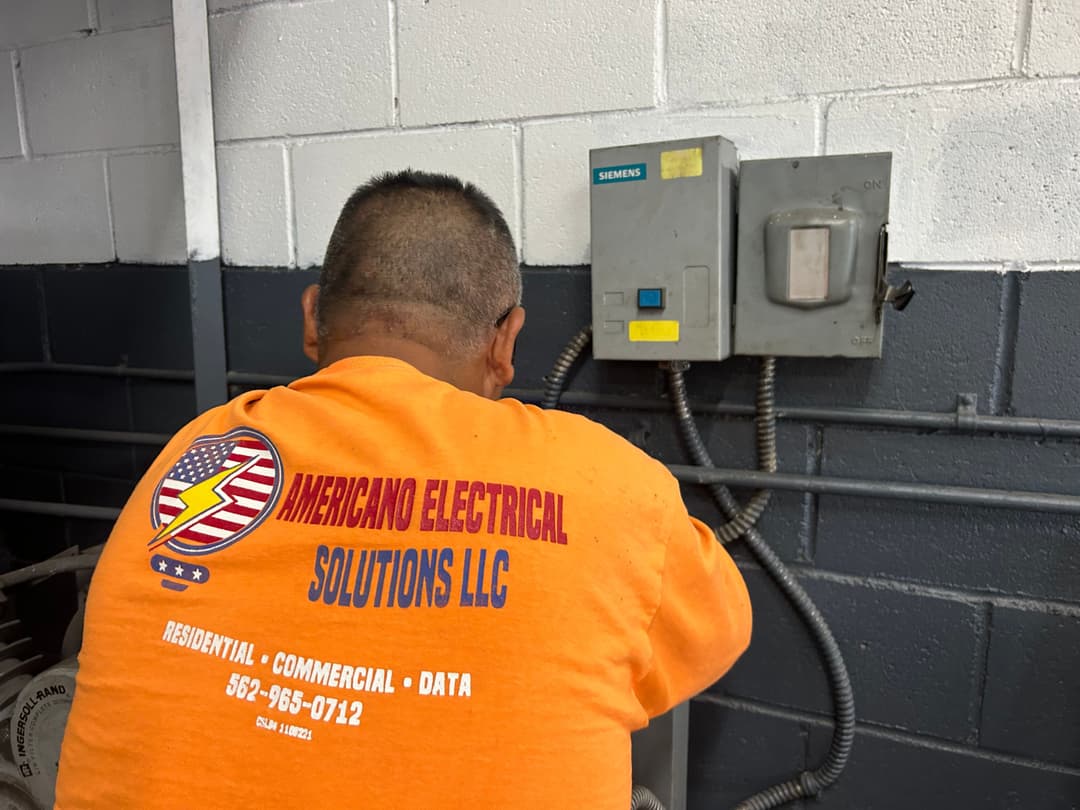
point(219, 491)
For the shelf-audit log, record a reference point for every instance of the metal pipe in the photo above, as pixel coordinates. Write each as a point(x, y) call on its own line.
point(97, 371)
point(178, 375)
point(73, 510)
point(880, 417)
point(894, 490)
point(208, 333)
point(252, 378)
point(86, 435)
point(818, 484)
point(45, 568)
point(873, 417)
point(198, 159)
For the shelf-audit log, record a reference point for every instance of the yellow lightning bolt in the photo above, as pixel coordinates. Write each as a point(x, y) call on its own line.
point(200, 500)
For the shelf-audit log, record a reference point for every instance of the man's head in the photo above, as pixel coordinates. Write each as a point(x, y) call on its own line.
point(421, 267)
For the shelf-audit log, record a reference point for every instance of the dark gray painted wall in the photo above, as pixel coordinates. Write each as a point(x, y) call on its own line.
point(961, 626)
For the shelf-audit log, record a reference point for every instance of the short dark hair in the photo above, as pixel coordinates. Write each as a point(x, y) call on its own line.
point(424, 255)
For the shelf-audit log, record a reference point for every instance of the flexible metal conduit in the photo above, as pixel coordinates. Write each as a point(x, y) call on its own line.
point(809, 782)
point(556, 378)
point(644, 799)
point(740, 523)
point(871, 417)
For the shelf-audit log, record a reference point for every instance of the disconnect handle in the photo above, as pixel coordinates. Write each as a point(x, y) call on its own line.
point(900, 296)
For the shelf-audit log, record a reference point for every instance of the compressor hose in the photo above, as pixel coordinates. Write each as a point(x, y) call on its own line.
point(812, 782)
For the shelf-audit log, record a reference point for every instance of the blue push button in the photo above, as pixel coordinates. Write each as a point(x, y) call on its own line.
point(650, 298)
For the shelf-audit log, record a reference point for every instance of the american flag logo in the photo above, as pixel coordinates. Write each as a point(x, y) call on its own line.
point(221, 489)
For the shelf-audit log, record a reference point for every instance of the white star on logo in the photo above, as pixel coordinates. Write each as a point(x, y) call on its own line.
point(161, 566)
point(179, 570)
point(196, 575)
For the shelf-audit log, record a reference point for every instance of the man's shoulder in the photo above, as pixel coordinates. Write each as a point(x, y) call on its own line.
point(590, 443)
point(211, 423)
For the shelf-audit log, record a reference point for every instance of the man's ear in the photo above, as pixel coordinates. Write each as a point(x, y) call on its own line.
point(309, 302)
point(500, 370)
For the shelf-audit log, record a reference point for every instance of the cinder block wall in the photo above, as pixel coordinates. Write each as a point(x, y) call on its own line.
point(978, 99)
point(961, 626)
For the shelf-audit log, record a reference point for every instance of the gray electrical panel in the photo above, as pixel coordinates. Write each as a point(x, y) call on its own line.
point(663, 218)
point(810, 278)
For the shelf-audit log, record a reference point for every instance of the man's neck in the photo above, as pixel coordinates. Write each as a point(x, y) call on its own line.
point(422, 358)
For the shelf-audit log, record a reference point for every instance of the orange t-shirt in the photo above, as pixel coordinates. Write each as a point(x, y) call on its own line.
point(372, 589)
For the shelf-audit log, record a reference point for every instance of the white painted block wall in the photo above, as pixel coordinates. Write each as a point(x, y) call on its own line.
point(89, 163)
point(979, 100)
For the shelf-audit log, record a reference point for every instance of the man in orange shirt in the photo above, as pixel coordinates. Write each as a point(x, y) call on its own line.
point(382, 586)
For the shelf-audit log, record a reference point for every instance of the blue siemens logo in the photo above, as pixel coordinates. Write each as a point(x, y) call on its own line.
point(618, 174)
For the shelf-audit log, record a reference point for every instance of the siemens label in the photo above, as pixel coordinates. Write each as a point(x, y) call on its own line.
point(618, 174)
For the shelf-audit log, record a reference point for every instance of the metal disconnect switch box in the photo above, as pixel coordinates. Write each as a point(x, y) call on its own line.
point(810, 279)
point(663, 226)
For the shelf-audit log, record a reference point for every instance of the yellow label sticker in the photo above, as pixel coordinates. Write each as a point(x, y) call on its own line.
point(654, 331)
point(680, 163)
